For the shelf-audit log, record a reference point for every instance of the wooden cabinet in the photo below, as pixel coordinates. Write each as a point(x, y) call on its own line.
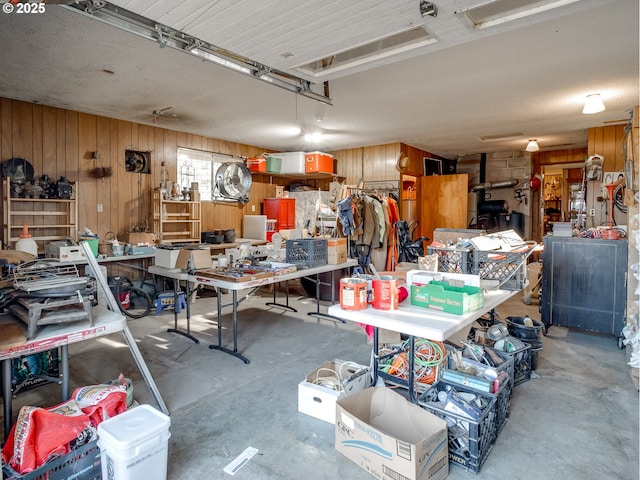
point(48, 220)
point(176, 221)
point(584, 283)
point(283, 210)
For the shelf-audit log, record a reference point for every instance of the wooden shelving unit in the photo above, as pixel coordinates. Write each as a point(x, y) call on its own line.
point(176, 221)
point(48, 220)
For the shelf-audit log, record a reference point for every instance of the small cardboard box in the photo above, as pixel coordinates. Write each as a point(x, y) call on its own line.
point(391, 437)
point(194, 258)
point(447, 298)
point(166, 257)
point(336, 251)
point(317, 399)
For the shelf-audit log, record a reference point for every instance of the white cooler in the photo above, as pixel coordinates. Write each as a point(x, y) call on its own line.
point(134, 445)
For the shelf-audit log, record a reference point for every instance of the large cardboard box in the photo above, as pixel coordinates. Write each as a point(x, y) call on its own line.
point(315, 396)
point(391, 437)
point(336, 251)
point(194, 258)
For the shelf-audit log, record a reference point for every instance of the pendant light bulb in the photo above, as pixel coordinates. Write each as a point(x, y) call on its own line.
point(532, 146)
point(593, 104)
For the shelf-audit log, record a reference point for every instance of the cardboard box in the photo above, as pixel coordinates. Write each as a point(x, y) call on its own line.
point(194, 258)
point(447, 298)
point(140, 238)
point(318, 400)
point(65, 253)
point(391, 437)
point(336, 251)
point(166, 258)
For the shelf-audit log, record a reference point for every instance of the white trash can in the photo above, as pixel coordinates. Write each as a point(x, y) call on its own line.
point(134, 445)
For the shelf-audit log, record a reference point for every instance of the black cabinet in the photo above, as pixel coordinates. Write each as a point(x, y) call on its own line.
point(584, 284)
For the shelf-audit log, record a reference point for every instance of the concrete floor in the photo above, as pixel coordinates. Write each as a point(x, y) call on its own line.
point(577, 419)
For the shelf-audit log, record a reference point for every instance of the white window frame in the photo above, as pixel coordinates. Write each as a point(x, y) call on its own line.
point(201, 166)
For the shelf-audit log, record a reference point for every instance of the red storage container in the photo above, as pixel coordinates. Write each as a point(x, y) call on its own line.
point(318, 162)
point(257, 164)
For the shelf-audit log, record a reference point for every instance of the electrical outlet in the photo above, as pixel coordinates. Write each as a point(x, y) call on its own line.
point(253, 208)
point(100, 207)
point(592, 212)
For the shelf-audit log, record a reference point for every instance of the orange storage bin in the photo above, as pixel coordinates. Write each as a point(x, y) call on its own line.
point(257, 164)
point(319, 162)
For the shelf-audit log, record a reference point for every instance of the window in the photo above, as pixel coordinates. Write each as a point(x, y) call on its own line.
point(201, 167)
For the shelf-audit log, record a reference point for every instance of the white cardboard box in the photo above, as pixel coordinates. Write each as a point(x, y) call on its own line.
point(320, 401)
point(166, 258)
point(390, 437)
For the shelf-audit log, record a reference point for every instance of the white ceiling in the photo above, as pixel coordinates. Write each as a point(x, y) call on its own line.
point(528, 76)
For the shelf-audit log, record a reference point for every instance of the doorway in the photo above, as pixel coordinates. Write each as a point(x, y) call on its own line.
point(562, 195)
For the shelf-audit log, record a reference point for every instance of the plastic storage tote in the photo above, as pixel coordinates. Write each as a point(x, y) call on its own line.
point(134, 444)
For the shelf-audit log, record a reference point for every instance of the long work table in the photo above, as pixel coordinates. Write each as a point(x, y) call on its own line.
point(234, 287)
point(419, 322)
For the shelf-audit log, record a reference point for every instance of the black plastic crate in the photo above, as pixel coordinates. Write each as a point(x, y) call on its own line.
point(470, 441)
point(505, 391)
point(521, 364)
point(507, 269)
point(307, 252)
point(82, 463)
point(452, 259)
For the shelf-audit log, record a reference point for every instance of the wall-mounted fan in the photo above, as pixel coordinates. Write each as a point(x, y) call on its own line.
point(233, 180)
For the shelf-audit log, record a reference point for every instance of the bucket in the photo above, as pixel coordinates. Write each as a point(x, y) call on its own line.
point(93, 244)
point(385, 292)
point(353, 294)
point(134, 444)
point(519, 327)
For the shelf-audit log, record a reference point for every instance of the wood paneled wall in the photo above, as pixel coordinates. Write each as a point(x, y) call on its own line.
point(607, 141)
point(62, 142)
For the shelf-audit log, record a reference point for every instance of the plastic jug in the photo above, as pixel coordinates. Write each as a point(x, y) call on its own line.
point(26, 243)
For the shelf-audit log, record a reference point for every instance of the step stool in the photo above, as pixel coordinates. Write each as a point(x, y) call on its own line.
point(166, 300)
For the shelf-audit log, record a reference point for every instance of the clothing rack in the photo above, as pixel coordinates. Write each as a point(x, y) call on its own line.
point(372, 187)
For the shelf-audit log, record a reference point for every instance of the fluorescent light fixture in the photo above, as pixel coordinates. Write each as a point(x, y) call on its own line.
point(144, 27)
point(593, 104)
point(532, 146)
point(496, 12)
point(395, 44)
point(501, 138)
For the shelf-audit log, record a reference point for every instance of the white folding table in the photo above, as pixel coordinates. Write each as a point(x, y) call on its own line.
point(419, 322)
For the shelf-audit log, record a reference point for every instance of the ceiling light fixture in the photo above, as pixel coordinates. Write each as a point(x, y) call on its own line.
point(314, 137)
point(144, 27)
point(532, 146)
point(593, 104)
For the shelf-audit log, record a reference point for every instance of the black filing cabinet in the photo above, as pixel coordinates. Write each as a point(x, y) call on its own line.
point(584, 283)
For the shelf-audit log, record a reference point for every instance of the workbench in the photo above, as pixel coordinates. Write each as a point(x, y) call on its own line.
point(13, 344)
point(420, 322)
